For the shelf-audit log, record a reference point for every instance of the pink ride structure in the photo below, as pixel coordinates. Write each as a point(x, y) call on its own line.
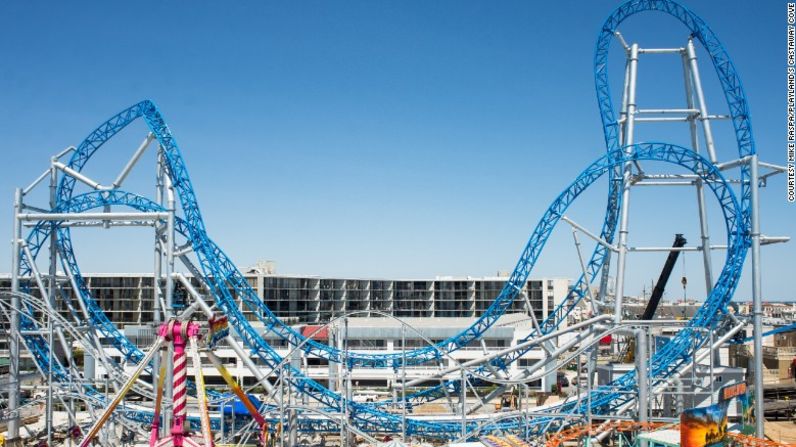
point(180, 335)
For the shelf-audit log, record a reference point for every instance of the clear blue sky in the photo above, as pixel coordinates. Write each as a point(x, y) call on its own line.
point(375, 138)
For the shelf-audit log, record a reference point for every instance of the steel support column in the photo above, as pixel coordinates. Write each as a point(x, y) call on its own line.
point(642, 378)
point(693, 86)
point(757, 302)
point(619, 288)
point(52, 270)
point(13, 386)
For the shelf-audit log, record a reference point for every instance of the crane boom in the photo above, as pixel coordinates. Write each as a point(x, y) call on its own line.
point(657, 292)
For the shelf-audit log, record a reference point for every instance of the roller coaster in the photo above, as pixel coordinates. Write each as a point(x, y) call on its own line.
point(33, 306)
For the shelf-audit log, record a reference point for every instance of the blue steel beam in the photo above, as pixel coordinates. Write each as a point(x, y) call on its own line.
point(365, 415)
point(222, 274)
point(739, 111)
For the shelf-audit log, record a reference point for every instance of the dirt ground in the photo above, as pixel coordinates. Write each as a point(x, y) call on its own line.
point(781, 431)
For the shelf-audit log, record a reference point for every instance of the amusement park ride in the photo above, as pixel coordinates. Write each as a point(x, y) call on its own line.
point(77, 201)
point(180, 334)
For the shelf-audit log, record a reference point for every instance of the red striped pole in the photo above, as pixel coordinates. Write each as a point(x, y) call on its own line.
point(179, 333)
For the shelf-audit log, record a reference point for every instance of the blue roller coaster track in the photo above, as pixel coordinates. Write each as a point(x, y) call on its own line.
point(225, 281)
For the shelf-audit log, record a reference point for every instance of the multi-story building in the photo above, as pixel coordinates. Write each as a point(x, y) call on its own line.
point(317, 299)
point(127, 298)
point(439, 308)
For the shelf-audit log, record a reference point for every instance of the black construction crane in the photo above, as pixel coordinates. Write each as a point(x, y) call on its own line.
point(629, 353)
point(657, 293)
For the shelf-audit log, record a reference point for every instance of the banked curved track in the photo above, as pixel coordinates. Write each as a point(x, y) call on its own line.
point(223, 279)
